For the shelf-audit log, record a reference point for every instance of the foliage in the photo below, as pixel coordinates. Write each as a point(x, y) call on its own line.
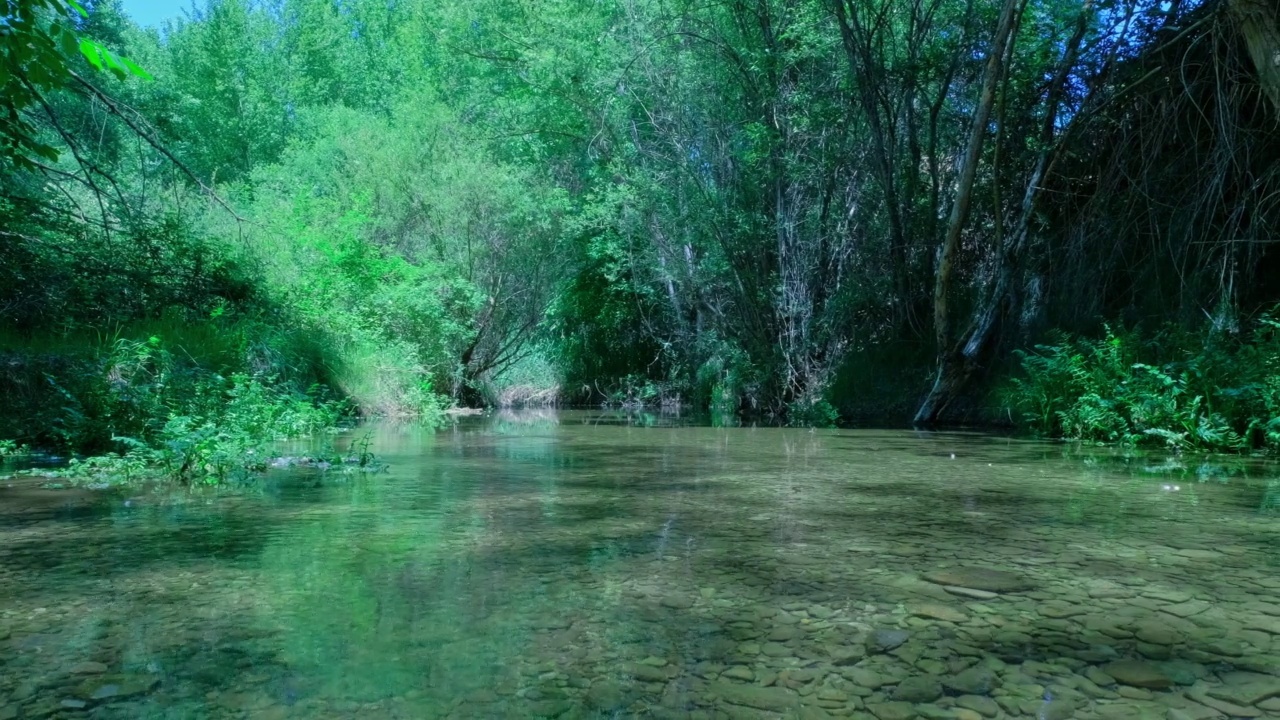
point(9, 449)
point(39, 45)
point(412, 205)
point(1204, 391)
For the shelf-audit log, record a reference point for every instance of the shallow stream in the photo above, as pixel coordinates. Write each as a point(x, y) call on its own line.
point(583, 565)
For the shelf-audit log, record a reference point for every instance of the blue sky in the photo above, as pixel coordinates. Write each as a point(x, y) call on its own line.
point(154, 12)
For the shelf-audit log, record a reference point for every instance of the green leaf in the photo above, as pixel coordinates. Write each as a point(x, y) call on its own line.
point(78, 8)
point(92, 52)
point(68, 41)
point(136, 69)
point(111, 60)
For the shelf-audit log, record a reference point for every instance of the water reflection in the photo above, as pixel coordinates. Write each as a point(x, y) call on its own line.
point(603, 565)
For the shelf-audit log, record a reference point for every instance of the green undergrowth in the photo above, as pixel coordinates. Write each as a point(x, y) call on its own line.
point(1187, 390)
point(196, 403)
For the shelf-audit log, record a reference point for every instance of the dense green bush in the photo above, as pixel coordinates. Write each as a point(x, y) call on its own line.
point(1208, 390)
point(200, 399)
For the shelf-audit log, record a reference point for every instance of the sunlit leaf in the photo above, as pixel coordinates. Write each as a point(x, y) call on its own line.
point(136, 69)
point(92, 52)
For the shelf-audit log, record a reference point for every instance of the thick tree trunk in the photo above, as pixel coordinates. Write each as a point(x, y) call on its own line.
point(1259, 24)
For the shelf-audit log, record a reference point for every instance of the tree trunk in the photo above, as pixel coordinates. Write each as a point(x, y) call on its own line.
point(957, 364)
point(960, 213)
point(1259, 24)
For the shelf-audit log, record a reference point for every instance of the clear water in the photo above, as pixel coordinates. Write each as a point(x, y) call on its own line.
point(579, 566)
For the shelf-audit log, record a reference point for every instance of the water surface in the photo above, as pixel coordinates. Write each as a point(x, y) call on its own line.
point(580, 565)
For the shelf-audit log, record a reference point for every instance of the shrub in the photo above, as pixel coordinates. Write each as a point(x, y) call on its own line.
point(1182, 389)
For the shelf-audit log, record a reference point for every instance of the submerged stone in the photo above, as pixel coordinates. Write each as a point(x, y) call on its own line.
point(605, 695)
point(1138, 674)
point(984, 706)
point(979, 578)
point(918, 689)
point(936, 611)
point(893, 710)
point(886, 640)
point(845, 655)
point(547, 708)
point(646, 673)
point(974, 681)
point(753, 696)
point(970, 592)
point(1246, 690)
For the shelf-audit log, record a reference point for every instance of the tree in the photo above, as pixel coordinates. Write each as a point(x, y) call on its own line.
point(38, 42)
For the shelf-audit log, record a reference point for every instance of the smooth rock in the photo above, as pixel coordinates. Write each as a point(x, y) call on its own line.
point(547, 708)
point(1138, 674)
point(1184, 713)
point(1156, 634)
point(867, 678)
point(892, 710)
point(646, 673)
point(1059, 709)
point(885, 640)
point(970, 592)
point(605, 695)
point(979, 578)
point(1058, 610)
point(974, 681)
point(753, 696)
point(1133, 693)
point(1130, 711)
point(1187, 609)
point(984, 706)
point(1098, 677)
point(937, 611)
point(119, 687)
point(918, 689)
point(1229, 708)
point(1249, 692)
point(844, 655)
point(1225, 646)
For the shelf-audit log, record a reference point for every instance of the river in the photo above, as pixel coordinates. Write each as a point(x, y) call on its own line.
point(588, 565)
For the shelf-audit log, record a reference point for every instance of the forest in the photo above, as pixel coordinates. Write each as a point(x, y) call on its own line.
point(270, 215)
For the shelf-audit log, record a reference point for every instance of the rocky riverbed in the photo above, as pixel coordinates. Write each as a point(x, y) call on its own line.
point(857, 576)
